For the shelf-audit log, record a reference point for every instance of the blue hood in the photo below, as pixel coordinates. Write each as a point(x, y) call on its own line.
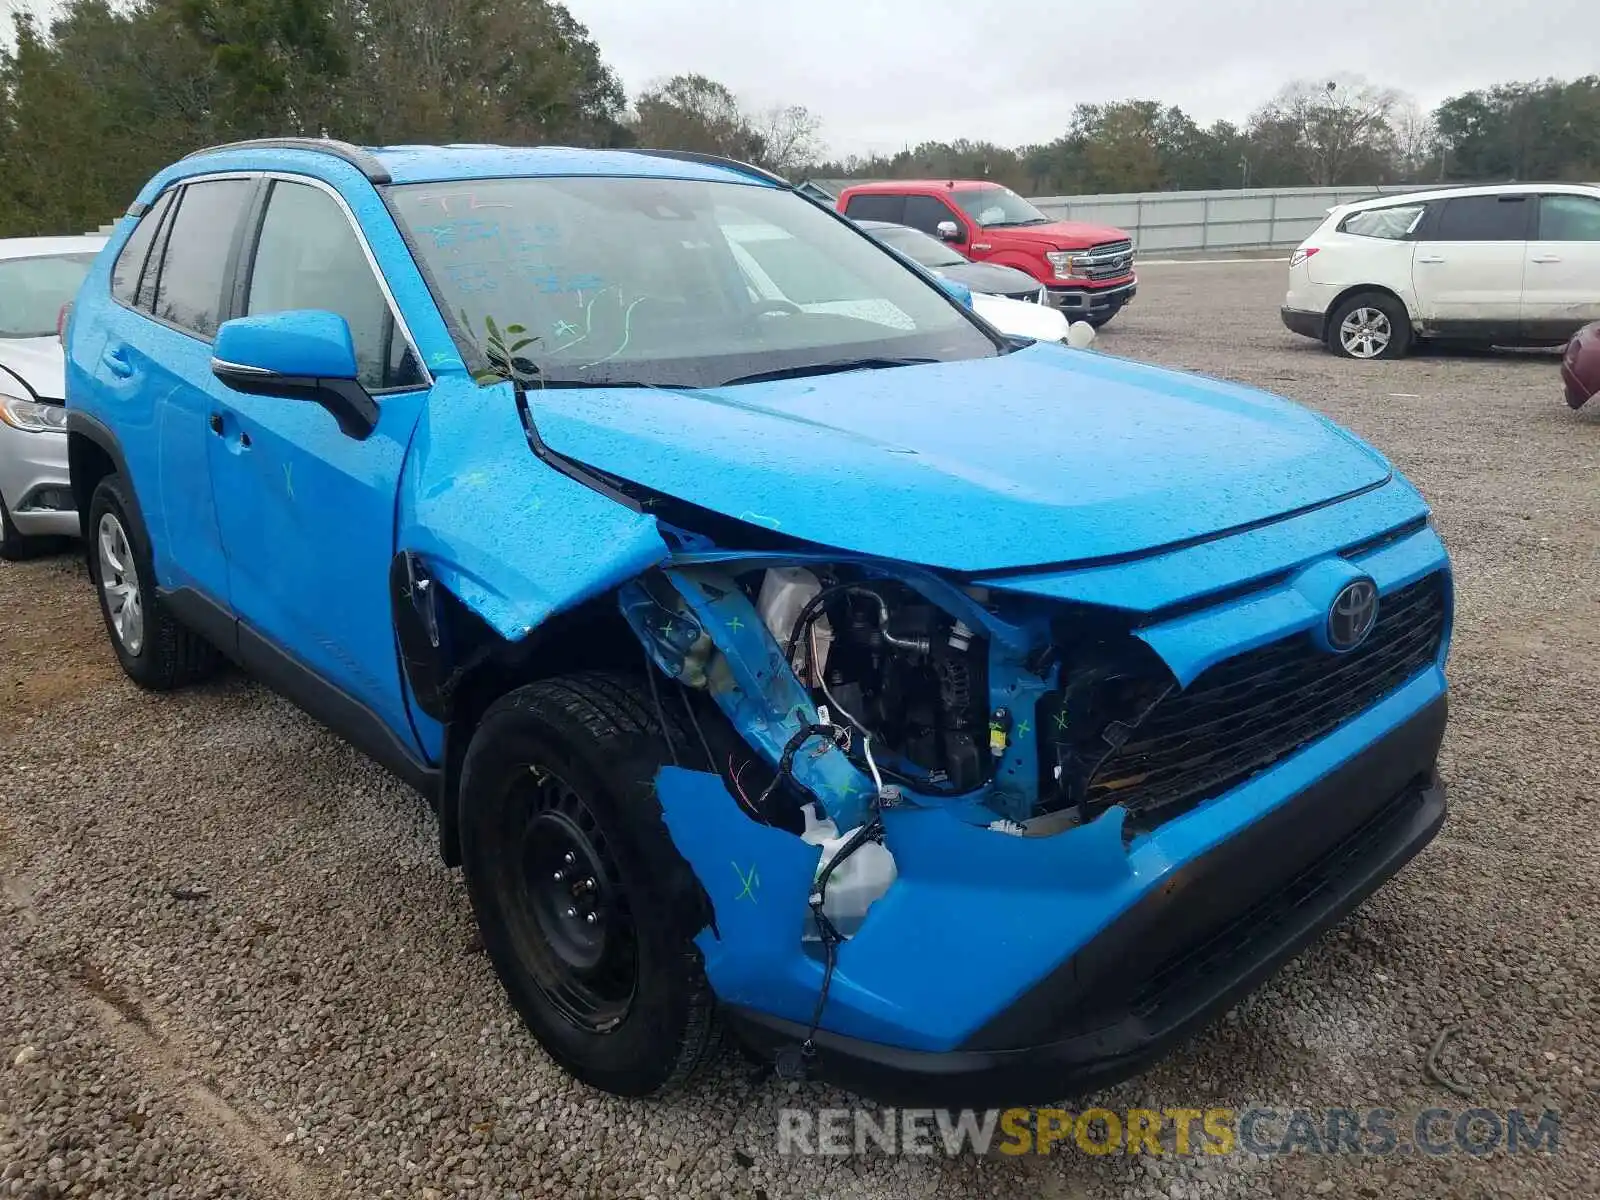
point(1045, 455)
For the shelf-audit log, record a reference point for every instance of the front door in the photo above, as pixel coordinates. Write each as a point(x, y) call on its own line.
point(1561, 289)
point(1468, 266)
point(308, 514)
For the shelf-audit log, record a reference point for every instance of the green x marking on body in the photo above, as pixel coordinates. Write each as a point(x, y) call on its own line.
point(751, 882)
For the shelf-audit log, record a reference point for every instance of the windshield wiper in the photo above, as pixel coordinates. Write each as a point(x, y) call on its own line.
point(826, 368)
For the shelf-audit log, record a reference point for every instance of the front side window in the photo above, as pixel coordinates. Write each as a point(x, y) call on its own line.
point(918, 246)
point(1483, 219)
point(309, 257)
point(927, 213)
point(33, 291)
point(667, 282)
point(188, 286)
point(1392, 224)
point(995, 206)
point(130, 265)
point(1569, 219)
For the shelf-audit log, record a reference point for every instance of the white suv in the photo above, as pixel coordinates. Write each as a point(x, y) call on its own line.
point(1509, 264)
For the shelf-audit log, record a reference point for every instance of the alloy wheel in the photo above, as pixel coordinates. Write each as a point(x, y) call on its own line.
point(119, 584)
point(1365, 333)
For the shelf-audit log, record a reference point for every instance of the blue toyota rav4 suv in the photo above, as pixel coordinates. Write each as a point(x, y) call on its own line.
point(957, 718)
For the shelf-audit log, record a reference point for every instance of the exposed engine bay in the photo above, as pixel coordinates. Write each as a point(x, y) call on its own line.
point(909, 679)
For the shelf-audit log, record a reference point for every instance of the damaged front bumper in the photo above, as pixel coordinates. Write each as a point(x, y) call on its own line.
point(1190, 942)
point(929, 1005)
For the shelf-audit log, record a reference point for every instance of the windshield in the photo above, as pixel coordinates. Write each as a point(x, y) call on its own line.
point(917, 246)
point(669, 283)
point(33, 290)
point(994, 206)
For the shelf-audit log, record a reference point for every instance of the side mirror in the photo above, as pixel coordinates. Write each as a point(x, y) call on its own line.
point(949, 231)
point(960, 291)
point(301, 355)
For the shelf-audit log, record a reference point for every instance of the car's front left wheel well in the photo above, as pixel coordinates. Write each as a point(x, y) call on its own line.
point(459, 668)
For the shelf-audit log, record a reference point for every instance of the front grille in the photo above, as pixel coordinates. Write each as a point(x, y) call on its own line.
point(1108, 260)
point(1244, 714)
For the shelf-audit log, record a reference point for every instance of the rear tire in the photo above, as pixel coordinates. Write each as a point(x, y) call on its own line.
point(585, 906)
point(155, 651)
point(1368, 326)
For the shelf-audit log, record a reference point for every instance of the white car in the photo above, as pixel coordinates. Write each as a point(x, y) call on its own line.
point(1505, 265)
point(38, 278)
point(777, 269)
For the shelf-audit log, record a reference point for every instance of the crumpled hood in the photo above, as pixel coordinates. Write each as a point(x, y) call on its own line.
point(1063, 235)
point(1045, 455)
point(38, 362)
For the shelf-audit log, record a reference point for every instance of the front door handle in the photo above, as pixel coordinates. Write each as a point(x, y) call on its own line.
point(1429, 258)
point(1547, 258)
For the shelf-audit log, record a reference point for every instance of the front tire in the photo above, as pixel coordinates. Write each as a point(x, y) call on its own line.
point(14, 547)
point(155, 651)
point(585, 907)
point(1370, 325)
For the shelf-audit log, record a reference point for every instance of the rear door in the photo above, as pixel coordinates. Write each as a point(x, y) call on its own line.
point(155, 371)
point(1468, 266)
point(1561, 290)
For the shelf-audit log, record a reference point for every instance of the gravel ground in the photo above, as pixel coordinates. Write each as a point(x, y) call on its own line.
point(231, 964)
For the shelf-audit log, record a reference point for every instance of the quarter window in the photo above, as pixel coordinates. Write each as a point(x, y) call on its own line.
point(130, 264)
point(1569, 219)
point(308, 256)
point(1392, 224)
point(1483, 219)
point(188, 288)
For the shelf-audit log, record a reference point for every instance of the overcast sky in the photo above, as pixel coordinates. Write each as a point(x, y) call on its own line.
point(883, 73)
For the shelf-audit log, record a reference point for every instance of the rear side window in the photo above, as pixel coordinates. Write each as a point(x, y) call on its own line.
point(1483, 219)
point(871, 207)
point(1569, 219)
point(1392, 224)
point(308, 256)
point(925, 213)
point(130, 264)
point(188, 288)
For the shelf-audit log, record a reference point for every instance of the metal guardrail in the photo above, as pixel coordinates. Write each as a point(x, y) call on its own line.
point(1241, 219)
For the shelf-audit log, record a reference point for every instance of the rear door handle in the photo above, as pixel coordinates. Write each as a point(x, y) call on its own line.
point(1547, 258)
point(116, 361)
point(1429, 258)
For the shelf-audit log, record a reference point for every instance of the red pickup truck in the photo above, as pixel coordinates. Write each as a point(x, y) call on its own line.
point(1086, 269)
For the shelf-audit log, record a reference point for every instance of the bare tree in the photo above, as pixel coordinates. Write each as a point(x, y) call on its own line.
point(1339, 128)
point(789, 137)
point(1416, 138)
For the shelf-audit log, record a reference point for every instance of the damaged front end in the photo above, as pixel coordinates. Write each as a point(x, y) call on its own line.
point(942, 792)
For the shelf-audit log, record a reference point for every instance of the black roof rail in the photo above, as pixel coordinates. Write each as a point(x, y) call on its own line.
point(362, 160)
point(717, 160)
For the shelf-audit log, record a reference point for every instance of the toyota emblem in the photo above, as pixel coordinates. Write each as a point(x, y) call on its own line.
point(1354, 612)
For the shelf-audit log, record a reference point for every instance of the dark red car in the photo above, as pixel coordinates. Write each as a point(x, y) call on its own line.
point(1580, 367)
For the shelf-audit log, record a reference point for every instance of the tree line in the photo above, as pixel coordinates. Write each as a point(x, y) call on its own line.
point(97, 99)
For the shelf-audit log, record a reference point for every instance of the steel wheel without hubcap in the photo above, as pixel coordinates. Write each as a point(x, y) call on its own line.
point(1365, 333)
point(119, 584)
point(566, 910)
